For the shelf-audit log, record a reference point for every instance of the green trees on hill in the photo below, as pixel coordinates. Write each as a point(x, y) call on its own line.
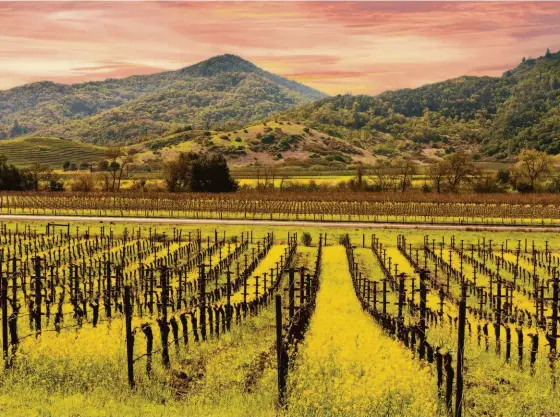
point(519, 110)
point(221, 92)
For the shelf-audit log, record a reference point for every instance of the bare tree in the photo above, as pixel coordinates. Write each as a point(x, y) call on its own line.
point(458, 167)
point(406, 169)
point(118, 159)
point(360, 175)
point(382, 176)
point(258, 166)
point(436, 173)
point(126, 162)
point(266, 172)
point(38, 172)
point(273, 174)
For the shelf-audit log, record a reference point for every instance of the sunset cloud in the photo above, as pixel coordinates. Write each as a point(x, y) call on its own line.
point(337, 47)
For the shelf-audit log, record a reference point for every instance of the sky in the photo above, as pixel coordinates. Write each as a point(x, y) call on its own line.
point(336, 47)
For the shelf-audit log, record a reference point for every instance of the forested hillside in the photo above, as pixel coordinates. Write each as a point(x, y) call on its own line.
point(504, 115)
point(224, 91)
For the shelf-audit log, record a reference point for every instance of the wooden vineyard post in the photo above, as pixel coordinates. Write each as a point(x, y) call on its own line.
point(228, 305)
point(302, 286)
point(384, 302)
point(279, 353)
point(257, 288)
point(202, 286)
point(108, 296)
point(129, 336)
point(4, 316)
point(449, 375)
point(245, 277)
point(291, 294)
point(461, 350)
point(402, 297)
point(38, 312)
point(554, 317)
point(164, 321)
point(422, 327)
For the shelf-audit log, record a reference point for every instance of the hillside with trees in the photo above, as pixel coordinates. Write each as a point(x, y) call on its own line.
point(225, 91)
point(502, 115)
point(229, 106)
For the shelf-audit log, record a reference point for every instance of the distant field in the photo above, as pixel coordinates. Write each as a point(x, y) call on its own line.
point(50, 151)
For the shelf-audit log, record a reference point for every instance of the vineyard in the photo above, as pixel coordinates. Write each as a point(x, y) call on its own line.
point(129, 320)
point(537, 210)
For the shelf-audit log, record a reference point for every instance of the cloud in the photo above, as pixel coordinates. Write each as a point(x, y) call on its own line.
point(335, 46)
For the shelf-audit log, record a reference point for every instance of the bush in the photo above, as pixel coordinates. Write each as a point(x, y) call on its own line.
point(554, 186)
point(268, 139)
point(488, 184)
point(238, 139)
point(503, 175)
point(84, 182)
point(525, 187)
point(343, 239)
point(306, 238)
point(55, 184)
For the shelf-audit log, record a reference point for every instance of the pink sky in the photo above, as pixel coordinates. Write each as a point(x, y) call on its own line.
point(364, 47)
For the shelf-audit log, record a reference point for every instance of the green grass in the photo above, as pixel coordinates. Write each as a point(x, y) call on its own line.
point(49, 151)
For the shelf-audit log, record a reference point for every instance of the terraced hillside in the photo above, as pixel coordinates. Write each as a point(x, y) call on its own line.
point(49, 151)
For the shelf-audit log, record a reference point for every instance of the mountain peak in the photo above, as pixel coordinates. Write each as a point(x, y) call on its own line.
point(219, 64)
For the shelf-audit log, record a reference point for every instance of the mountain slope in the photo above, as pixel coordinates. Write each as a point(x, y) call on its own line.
point(502, 115)
point(224, 90)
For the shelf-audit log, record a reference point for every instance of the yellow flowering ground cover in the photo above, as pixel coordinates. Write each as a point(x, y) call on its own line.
point(347, 366)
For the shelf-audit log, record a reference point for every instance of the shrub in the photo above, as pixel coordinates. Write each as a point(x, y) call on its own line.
point(426, 188)
point(306, 238)
point(238, 139)
point(268, 139)
point(84, 182)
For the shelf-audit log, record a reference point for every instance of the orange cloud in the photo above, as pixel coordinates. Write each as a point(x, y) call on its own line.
point(364, 47)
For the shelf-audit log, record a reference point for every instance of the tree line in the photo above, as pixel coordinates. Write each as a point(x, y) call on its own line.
point(533, 172)
point(202, 172)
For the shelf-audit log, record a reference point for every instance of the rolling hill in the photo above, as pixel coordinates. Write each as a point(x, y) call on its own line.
point(268, 143)
point(224, 91)
point(499, 115)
